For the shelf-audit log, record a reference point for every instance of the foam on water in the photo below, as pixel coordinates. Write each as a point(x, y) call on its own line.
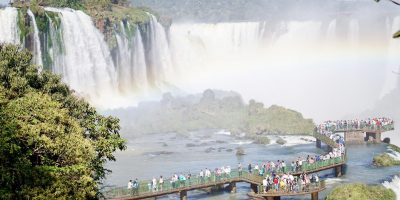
point(394, 185)
point(393, 154)
point(223, 132)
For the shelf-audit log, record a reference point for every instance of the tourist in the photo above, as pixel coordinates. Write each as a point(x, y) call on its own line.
point(135, 187)
point(201, 175)
point(130, 184)
point(265, 184)
point(240, 169)
point(249, 168)
point(154, 184)
point(208, 174)
point(161, 183)
point(276, 182)
point(188, 178)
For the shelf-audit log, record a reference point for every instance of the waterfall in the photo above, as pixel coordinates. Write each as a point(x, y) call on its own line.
point(56, 49)
point(9, 28)
point(131, 63)
point(393, 59)
point(200, 47)
point(394, 185)
point(37, 52)
point(87, 65)
point(159, 64)
point(149, 59)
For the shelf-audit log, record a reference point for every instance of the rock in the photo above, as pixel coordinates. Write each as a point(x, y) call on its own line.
point(220, 142)
point(281, 141)
point(386, 140)
point(229, 150)
point(208, 150)
point(164, 144)
point(190, 145)
point(240, 151)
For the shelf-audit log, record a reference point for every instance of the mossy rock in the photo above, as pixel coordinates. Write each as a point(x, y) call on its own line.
point(385, 160)
point(358, 191)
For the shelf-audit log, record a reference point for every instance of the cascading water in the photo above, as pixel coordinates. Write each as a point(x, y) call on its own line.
point(37, 51)
point(394, 185)
point(159, 64)
point(195, 56)
point(393, 60)
point(9, 26)
point(131, 63)
point(87, 65)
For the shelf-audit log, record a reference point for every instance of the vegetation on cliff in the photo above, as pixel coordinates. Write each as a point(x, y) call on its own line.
point(358, 191)
point(213, 110)
point(107, 15)
point(53, 145)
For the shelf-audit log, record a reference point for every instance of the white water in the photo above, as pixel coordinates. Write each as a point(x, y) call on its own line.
point(393, 60)
point(8, 26)
point(131, 63)
point(273, 62)
point(37, 52)
point(87, 67)
point(394, 185)
point(393, 154)
point(159, 66)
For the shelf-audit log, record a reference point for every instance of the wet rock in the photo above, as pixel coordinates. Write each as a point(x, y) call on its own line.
point(190, 145)
point(210, 149)
point(240, 151)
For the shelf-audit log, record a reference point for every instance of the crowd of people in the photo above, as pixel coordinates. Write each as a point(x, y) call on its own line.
point(269, 170)
point(289, 183)
point(371, 123)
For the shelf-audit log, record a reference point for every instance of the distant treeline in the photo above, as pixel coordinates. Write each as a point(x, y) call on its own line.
point(211, 110)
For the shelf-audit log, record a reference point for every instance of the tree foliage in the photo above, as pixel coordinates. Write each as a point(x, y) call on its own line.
point(53, 144)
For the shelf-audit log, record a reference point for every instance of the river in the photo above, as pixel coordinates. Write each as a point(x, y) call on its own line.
point(164, 154)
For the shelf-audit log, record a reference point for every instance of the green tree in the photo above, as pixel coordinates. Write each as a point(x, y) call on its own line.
point(53, 144)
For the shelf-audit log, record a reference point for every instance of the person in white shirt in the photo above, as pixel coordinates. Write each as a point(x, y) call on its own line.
point(130, 184)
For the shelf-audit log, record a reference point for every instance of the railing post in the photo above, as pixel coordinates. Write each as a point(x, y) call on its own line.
point(314, 196)
point(338, 171)
point(183, 195)
point(232, 186)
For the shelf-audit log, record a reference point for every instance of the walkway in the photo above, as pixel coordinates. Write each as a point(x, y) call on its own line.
point(255, 180)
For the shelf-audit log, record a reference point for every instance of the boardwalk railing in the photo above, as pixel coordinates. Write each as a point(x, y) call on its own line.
point(325, 139)
point(362, 127)
point(169, 186)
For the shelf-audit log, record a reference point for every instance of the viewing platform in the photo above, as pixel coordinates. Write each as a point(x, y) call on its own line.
point(255, 179)
point(313, 189)
point(223, 181)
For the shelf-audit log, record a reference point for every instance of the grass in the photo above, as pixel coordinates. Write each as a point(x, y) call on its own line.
point(359, 191)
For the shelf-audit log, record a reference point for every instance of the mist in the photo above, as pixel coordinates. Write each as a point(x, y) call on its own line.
point(326, 59)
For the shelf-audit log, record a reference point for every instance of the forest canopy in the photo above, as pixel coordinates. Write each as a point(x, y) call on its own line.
point(53, 144)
